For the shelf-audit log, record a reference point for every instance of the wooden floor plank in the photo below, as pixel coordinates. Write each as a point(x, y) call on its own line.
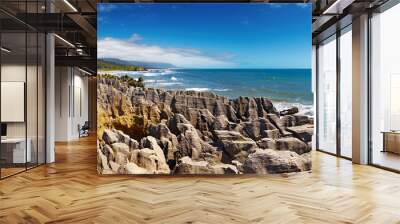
point(70, 191)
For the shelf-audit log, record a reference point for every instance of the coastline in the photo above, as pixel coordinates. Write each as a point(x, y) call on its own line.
point(155, 131)
point(173, 79)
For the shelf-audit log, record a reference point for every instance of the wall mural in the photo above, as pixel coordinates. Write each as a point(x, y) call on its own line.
point(204, 88)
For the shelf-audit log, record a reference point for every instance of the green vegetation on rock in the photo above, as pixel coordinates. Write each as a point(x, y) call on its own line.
point(131, 82)
point(110, 66)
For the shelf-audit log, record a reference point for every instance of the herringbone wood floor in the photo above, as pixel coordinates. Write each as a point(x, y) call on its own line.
point(70, 191)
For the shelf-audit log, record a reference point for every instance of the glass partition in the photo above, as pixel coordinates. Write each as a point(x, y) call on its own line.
point(346, 92)
point(41, 97)
point(327, 95)
point(385, 89)
point(31, 97)
point(14, 155)
point(22, 88)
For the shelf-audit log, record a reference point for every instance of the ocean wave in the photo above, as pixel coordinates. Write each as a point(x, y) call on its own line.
point(161, 84)
point(221, 90)
point(307, 110)
point(173, 78)
point(167, 72)
point(149, 73)
point(134, 73)
point(197, 89)
point(200, 89)
point(158, 73)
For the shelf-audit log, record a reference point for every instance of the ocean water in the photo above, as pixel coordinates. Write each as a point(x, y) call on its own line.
point(285, 87)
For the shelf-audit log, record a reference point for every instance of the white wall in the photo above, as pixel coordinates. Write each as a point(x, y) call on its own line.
point(80, 111)
point(33, 126)
point(62, 81)
point(14, 72)
point(70, 83)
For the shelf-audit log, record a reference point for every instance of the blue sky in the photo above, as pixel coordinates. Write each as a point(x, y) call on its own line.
point(207, 35)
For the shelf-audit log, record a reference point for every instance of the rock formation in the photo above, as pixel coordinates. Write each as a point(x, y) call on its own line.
point(153, 131)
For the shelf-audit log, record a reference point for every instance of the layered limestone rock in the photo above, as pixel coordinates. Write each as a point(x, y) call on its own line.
point(188, 166)
point(153, 131)
point(272, 161)
point(235, 145)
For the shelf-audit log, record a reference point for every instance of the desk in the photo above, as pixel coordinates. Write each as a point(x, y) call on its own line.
point(13, 150)
point(391, 141)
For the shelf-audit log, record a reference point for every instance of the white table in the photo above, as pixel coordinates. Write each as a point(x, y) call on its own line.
point(18, 149)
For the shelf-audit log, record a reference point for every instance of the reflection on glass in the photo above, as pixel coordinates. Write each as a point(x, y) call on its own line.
point(31, 100)
point(346, 93)
point(14, 153)
point(41, 99)
point(385, 84)
point(22, 90)
point(327, 95)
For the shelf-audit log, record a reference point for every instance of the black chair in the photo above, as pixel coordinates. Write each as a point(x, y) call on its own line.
point(84, 130)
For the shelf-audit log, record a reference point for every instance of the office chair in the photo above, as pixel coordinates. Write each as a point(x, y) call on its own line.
point(84, 130)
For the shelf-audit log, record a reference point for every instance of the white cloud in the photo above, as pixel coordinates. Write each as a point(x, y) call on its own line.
point(135, 37)
point(106, 7)
point(131, 49)
point(275, 5)
point(302, 5)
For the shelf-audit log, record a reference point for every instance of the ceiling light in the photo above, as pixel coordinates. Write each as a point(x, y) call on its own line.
point(5, 50)
point(70, 5)
point(334, 5)
point(79, 51)
point(337, 7)
point(86, 72)
point(64, 40)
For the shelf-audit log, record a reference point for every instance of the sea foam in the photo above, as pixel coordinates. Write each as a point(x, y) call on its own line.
point(221, 90)
point(197, 89)
point(307, 110)
point(162, 84)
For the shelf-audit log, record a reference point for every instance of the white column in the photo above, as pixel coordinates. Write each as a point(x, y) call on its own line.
point(50, 99)
point(314, 90)
point(62, 103)
point(360, 90)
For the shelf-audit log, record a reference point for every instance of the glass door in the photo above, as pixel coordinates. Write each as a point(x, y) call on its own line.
point(326, 121)
point(22, 90)
point(14, 156)
point(385, 89)
point(346, 92)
